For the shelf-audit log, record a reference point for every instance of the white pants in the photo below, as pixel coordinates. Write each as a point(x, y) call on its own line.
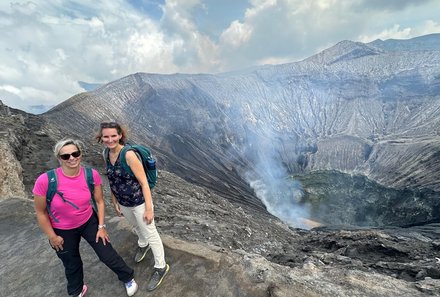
point(147, 233)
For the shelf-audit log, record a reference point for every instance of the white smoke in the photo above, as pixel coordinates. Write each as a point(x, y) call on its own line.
point(274, 186)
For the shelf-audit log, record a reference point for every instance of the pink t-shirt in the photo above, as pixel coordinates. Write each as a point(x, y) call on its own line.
point(75, 190)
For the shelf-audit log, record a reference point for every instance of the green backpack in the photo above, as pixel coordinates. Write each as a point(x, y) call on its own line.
point(52, 189)
point(146, 158)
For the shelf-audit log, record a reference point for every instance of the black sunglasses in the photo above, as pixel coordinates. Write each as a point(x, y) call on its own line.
point(66, 157)
point(109, 125)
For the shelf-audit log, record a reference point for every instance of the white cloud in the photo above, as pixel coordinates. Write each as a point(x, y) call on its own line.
point(47, 46)
point(146, 50)
point(10, 89)
point(9, 74)
point(236, 35)
point(428, 27)
point(395, 32)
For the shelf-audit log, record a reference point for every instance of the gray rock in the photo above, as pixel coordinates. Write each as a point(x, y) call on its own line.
point(29, 267)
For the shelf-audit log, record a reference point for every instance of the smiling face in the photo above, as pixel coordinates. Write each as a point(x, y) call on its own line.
point(110, 137)
point(70, 151)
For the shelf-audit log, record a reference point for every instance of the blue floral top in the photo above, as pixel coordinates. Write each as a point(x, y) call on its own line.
point(124, 185)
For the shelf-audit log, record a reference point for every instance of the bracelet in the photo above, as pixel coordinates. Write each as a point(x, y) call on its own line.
point(101, 226)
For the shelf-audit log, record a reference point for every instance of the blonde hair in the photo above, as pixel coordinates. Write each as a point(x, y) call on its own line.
point(62, 143)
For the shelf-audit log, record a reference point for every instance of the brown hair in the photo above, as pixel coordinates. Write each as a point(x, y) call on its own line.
point(119, 129)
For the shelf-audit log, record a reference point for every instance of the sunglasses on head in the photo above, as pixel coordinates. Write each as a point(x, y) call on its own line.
point(109, 125)
point(66, 157)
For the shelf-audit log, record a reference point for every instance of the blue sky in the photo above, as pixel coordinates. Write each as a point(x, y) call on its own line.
point(48, 46)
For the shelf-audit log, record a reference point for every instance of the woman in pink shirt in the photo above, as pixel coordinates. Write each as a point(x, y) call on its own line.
point(71, 216)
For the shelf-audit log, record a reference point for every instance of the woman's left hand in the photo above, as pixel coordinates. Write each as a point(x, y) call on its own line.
point(149, 216)
point(102, 233)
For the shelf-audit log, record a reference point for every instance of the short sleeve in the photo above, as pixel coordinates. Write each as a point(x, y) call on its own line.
point(40, 186)
point(97, 177)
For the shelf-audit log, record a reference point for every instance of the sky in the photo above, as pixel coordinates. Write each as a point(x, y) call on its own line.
point(49, 49)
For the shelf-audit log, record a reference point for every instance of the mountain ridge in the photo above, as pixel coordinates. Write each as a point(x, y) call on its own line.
point(226, 146)
point(424, 42)
point(347, 109)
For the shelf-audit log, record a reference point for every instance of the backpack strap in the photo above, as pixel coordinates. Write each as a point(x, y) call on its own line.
point(105, 155)
point(123, 159)
point(91, 185)
point(137, 150)
point(51, 191)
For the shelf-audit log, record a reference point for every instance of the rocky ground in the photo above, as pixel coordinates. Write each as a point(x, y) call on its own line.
point(215, 247)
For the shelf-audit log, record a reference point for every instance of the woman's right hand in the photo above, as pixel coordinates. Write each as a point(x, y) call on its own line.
point(56, 242)
point(117, 209)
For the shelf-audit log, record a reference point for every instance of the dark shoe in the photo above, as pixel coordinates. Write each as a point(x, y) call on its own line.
point(141, 252)
point(157, 277)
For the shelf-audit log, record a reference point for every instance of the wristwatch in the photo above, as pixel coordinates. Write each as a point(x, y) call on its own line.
point(101, 226)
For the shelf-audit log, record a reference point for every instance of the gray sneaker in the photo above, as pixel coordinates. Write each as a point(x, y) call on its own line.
point(141, 252)
point(157, 277)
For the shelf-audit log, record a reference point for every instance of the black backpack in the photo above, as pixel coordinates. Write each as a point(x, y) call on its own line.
point(52, 189)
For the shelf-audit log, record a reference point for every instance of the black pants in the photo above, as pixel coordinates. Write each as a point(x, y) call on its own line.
point(71, 258)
